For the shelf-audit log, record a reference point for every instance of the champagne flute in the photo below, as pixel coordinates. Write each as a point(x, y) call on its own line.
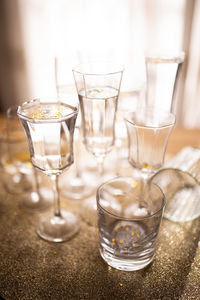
point(98, 86)
point(75, 184)
point(49, 128)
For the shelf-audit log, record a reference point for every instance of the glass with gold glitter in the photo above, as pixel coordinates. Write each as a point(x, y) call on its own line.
point(49, 127)
point(148, 132)
point(129, 217)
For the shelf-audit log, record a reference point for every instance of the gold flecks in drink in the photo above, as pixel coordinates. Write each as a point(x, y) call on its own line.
point(118, 229)
point(145, 166)
point(37, 115)
point(40, 114)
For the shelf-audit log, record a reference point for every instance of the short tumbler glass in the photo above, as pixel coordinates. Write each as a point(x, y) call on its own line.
point(129, 217)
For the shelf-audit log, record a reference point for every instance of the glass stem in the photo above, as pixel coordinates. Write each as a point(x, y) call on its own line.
point(76, 151)
point(37, 185)
point(54, 179)
point(100, 162)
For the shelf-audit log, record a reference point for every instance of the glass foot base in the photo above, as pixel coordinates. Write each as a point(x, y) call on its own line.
point(16, 184)
point(58, 229)
point(76, 188)
point(81, 186)
point(125, 264)
point(34, 201)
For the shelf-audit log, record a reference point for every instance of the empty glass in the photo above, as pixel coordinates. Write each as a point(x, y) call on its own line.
point(179, 180)
point(15, 160)
point(49, 127)
point(78, 183)
point(128, 101)
point(129, 217)
point(148, 133)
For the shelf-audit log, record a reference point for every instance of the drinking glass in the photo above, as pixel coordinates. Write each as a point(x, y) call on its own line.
point(37, 198)
point(180, 182)
point(129, 217)
point(13, 158)
point(163, 72)
point(148, 132)
point(98, 86)
point(49, 127)
point(128, 101)
point(78, 182)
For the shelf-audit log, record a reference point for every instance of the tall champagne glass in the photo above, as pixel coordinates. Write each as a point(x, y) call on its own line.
point(98, 86)
point(78, 183)
point(49, 127)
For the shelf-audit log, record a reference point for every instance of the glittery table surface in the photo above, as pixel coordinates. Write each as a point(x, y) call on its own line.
point(31, 268)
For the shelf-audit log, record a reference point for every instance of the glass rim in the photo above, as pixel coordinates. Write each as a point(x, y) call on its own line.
point(10, 109)
point(78, 68)
point(50, 119)
point(163, 202)
point(175, 170)
point(156, 112)
point(164, 57)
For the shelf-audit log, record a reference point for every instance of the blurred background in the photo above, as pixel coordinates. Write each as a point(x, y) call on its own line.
point(33, 32)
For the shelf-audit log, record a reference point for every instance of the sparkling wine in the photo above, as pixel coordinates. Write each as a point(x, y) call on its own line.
point(49, 129)
point(98, 109)
point(50, 139)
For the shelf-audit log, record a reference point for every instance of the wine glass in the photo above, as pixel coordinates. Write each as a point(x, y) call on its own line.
point(78, 183)
point(12, 142)
point(148, 132)
point(49, 127)
point(98, 86)
point(37, 198)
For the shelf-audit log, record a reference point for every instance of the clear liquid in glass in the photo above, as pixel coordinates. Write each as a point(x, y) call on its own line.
point(51, 138)
point(98, 108)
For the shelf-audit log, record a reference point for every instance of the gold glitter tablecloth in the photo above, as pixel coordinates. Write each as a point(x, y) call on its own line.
point(31, 268)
